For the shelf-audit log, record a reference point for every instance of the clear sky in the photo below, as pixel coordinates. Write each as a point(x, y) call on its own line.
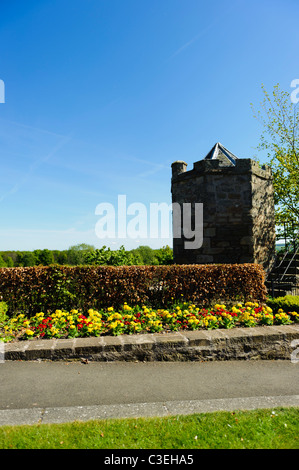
point(101, 96)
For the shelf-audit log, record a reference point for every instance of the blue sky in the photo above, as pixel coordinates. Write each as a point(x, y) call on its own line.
point(101, 96)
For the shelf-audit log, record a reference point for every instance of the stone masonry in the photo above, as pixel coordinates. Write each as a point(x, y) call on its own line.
point(238, 209)
point(255, 343)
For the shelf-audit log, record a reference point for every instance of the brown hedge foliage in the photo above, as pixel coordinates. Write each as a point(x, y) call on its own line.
point(33, 289)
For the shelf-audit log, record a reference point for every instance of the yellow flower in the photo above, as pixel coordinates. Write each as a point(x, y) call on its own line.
point(117, 315)
point(235, 310)
point(218, 306)
point(29, 332)
point(114, 324)
point(128, 317)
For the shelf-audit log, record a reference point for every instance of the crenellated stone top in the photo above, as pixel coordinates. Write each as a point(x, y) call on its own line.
point(220, 160)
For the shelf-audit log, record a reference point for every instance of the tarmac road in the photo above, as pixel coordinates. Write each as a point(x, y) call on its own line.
point(32, 392)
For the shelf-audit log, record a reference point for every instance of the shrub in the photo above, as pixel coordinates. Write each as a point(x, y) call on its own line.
point(32, 289)
point(3, 309)
point(289, 303)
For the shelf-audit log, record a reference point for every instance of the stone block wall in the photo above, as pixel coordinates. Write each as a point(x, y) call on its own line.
point(238, 211)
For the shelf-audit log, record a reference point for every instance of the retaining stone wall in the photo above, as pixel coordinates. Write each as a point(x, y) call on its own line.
point(266, 342)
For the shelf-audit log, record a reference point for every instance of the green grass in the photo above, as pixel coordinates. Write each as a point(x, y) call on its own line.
point(257, 429)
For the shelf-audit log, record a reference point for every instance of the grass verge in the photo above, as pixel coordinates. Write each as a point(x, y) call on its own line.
point(276, 428)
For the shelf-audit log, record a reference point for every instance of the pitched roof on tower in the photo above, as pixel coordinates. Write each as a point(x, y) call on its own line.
point(219, 152)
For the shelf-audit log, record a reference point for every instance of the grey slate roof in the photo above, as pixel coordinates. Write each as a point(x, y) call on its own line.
point(219, 152)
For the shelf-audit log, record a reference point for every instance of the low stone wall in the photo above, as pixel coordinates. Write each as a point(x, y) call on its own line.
point(266, 342)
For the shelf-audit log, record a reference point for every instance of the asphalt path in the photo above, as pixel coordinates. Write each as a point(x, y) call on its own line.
point(32, 392)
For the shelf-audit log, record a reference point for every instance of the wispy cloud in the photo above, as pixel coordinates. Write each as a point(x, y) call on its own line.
point(156, 167)
point(193, 40)
point(31, 128)
point(153, 171)
point(35, 165)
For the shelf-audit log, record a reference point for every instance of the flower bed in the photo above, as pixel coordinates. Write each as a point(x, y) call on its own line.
point(132, 320)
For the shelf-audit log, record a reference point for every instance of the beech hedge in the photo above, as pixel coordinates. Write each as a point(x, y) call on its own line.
point(47, 288)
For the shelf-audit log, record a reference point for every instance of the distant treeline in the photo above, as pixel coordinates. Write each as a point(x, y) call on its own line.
point(84, 254)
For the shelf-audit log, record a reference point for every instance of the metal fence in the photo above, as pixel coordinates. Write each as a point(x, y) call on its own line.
point(284, 277)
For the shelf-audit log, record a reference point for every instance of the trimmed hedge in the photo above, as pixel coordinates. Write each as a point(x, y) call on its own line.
point(33, 289)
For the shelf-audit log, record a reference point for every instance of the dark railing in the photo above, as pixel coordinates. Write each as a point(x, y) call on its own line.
point(284, 277)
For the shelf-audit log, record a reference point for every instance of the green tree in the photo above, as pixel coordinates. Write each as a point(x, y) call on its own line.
point(19, 258)
point(145, 255)
point(29, 259)
point(7, 258)
point(62, 257)
point(279, 117)
point(165, 255)
point(2, 262)
point(76, 253)
point(107, 257)
point(9, 262)
point(46, 257)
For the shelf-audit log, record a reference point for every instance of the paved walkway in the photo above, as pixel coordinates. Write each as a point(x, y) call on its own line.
point(52, 392)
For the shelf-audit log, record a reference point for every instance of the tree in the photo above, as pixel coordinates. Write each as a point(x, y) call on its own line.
point(76, 253)
point(280, 139)
point(7, 258)
point(108, 257)
point(2, 262)
point(9, 261)
point(61, 257)
point(165, 255)
point(29, 259)
point(46, 257)
point(145, 255)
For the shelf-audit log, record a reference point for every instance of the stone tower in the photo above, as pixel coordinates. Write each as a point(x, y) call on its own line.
point(238, 209)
